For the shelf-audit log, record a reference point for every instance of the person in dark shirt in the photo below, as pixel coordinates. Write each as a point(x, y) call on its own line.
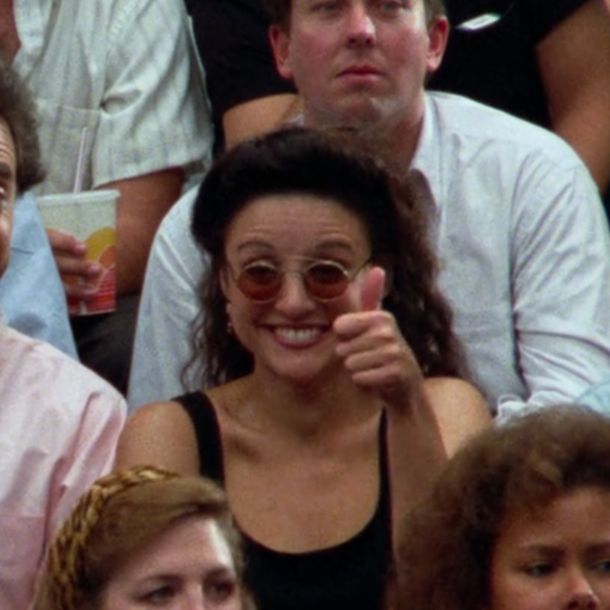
point(336, 393)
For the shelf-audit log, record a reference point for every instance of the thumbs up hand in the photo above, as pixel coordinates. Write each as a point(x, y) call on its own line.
point(373, 349)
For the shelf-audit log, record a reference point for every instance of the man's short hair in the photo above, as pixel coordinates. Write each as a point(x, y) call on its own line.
point(280, 10)
point(17, 109)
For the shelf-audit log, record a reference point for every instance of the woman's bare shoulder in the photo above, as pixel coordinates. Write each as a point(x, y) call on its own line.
point(159, 434)
point(461, 410)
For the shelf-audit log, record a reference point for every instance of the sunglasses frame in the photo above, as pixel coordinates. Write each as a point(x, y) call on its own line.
point(349, 275)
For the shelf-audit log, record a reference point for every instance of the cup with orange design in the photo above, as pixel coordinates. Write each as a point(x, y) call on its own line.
point(91, 217)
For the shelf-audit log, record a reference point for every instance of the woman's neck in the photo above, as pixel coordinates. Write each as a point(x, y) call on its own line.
point(317, 408)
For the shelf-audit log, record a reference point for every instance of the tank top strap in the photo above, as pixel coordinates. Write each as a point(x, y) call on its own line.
point(384, 468)
point(207, 432)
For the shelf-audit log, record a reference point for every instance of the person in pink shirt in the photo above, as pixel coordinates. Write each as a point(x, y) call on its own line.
point(59, 421)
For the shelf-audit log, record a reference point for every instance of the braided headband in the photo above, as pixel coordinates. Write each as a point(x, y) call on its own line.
point(66, 556)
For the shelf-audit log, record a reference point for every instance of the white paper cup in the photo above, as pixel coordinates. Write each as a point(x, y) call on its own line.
point(91, 217)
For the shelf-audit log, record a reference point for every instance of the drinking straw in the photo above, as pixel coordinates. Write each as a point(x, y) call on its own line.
point(80, 163)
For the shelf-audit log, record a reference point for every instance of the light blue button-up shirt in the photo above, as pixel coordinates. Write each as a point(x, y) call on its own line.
point(32, 297)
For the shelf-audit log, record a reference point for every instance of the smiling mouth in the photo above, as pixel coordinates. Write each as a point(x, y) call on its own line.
point(297, 337)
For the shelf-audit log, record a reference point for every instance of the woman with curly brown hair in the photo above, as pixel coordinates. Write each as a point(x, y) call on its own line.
point(335, 364)
point(145, 538)
point(520, 520)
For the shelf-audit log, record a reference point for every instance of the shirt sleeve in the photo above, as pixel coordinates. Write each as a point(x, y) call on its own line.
point(154, 113)
point(32, 297)
point(90, 455)
point(561, 281)
point(168, 307)
point(597, 397)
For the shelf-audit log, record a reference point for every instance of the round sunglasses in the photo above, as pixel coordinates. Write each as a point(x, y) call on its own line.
point(324, 280)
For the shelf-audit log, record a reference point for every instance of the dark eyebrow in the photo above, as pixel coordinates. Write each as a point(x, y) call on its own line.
point(601, 547)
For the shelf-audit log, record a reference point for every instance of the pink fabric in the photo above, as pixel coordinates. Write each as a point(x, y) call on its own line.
point(59, 425)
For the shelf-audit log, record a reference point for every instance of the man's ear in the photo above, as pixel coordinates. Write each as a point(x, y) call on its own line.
point(280, 44)
point(438, 34)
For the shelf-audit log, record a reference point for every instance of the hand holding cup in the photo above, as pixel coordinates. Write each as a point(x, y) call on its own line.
point(82, 233)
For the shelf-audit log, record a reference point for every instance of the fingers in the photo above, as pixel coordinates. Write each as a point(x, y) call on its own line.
point(379, 359)
point(87, 270)
point(390, 357)
point(373, 349)
point(64, 243)
point(363, 331)
point(372, 289)
point(355, 323)
point(79, 276)
point(79, 290)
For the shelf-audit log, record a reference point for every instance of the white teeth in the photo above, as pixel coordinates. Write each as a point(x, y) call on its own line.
point(298, 335)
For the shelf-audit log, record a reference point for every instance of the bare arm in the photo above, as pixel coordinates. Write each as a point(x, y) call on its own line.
point(160, 434)
point(142, 205)
point(460, 410)
point(574, 62)
point(440, 418)
point(258, 116)
point(427, 419)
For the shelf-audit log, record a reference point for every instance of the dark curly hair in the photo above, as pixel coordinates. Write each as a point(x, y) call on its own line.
point(17, 109)
point(280, 10)
point(334, 166)
point(447, 542)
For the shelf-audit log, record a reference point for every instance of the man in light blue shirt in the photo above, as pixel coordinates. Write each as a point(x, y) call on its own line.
point(32, 299)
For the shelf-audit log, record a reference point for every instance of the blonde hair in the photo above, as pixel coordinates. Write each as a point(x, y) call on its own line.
point(121, 513)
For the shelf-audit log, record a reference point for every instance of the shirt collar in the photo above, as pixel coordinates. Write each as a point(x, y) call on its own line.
point(427, 158)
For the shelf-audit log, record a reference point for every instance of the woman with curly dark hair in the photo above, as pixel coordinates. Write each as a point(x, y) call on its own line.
point(520, 520)
point(333, 360)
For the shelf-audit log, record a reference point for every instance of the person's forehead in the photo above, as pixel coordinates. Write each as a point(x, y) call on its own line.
point(8, 157)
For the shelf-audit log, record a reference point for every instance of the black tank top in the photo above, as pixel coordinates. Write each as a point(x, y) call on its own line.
point(349, 576)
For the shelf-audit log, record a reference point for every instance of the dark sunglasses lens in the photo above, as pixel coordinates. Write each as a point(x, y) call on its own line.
point(326, 280)
point(260, 282)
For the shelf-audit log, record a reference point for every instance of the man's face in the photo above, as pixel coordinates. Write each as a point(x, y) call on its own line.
point(358, 62)
point(8, 188)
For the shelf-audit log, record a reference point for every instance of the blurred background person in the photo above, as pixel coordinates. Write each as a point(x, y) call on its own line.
point(126, 72)
point(32, 298)
point(247, 95)
point(60, 422)
point(146, 538)
point(519, 520)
